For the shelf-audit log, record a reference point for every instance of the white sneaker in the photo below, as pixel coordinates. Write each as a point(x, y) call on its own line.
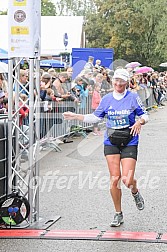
point(138, 200)
point(118, 220)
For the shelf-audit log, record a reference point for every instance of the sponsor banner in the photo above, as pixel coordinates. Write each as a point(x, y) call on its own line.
point(24, 28)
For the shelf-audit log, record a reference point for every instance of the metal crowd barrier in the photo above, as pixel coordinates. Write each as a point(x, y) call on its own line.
point(3, 158)
point(53, 126)
point(147, 97)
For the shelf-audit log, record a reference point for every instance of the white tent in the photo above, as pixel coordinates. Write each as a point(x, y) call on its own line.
point(163, 64)
point(53, 29)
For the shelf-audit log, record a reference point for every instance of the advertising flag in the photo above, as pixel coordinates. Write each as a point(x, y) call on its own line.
point(24, 28)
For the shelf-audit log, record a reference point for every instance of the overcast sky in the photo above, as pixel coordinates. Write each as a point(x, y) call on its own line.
point(4, 4)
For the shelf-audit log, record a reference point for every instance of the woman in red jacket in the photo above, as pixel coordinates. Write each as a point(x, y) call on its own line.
point(96, 98)
point(24, 110)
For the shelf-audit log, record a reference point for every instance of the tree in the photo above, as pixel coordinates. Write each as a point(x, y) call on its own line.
point(74, 8)
point(48, 8)
point(3, 12)
point(135, 29)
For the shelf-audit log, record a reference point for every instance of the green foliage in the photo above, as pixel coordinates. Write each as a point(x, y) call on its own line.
point(48, 8)
point(135, 29)
point(74, 8)
point(3, 12)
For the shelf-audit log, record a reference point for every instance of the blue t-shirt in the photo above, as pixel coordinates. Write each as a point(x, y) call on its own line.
point(120, 113)
point(21, 90)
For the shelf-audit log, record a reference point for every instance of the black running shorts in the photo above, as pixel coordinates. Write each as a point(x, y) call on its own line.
point(125, 152)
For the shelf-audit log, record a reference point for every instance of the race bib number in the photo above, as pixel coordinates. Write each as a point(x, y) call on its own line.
point(118, 121)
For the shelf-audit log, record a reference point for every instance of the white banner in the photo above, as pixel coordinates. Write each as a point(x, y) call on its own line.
point(24, 28)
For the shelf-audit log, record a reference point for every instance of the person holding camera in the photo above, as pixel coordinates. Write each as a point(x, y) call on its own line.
point(121, 138)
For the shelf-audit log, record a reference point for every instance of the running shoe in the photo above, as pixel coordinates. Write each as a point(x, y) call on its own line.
point(138, 200)
point(118, 220)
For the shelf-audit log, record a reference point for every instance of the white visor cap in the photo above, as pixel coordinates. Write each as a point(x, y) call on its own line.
point(121, 74)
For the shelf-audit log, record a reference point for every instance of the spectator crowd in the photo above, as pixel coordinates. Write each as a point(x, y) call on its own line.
point(94, 81)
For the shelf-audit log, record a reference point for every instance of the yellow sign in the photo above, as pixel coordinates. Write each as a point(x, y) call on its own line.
point(19, 30)
point(20, 2)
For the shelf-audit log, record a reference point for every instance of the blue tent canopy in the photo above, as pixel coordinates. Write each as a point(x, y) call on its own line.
point(3, 54)
point(51, 63)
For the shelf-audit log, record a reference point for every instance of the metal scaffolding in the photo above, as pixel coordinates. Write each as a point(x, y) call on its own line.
point(23, 144)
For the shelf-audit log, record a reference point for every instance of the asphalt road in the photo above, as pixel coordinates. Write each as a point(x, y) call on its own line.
point(75, 185)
